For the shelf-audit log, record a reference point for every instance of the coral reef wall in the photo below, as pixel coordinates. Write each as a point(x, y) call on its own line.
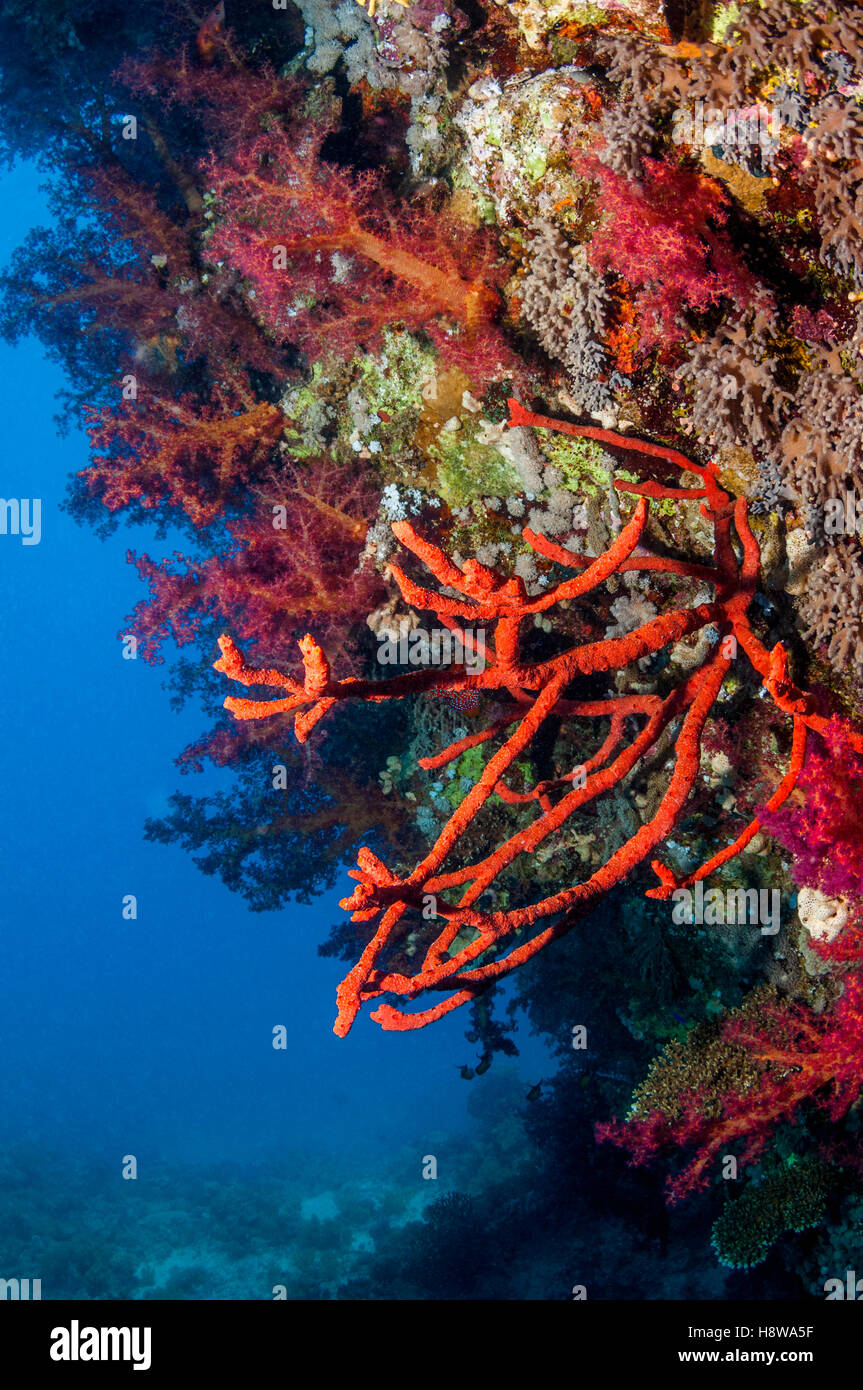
point(499, 368)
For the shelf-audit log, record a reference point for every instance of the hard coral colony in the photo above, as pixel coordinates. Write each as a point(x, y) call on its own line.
point(347, 255)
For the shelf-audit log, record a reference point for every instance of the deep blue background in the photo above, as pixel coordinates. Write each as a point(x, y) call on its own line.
point(153, 1036)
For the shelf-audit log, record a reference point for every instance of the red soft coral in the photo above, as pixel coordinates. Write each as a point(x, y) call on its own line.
point(330, 265)
point(801, 1058)
point(292, 561)
point(664, 237)
point(164, 451)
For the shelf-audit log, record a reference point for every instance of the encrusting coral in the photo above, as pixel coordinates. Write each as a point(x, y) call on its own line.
point(789, 1196)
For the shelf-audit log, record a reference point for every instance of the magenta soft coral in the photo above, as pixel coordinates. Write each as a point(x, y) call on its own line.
point(824, 833)
point(664, 238)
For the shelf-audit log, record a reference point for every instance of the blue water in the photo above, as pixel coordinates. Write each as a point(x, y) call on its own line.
point(153, 1037)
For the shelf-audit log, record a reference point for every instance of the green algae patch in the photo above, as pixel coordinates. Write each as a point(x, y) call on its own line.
point(587, 469)
point(467, 469)
point(392, 379)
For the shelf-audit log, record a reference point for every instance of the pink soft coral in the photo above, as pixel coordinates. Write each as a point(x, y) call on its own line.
point(825, 832)
point(664, 238)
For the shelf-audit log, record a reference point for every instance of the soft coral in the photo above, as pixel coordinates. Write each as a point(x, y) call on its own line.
point(800, 1058)
point(291, 559)
point(181, 452)
point(664, 237)
point(309, 235)
point(824, 832)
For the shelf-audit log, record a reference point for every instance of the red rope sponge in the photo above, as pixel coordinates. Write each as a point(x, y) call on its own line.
point(475, 948)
